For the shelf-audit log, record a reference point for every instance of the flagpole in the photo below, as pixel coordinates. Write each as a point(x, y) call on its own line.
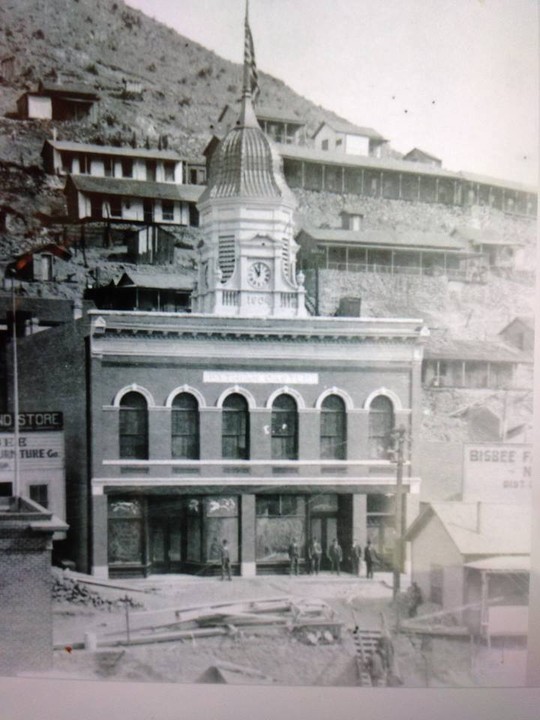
point(15, 490)
point(246, 84)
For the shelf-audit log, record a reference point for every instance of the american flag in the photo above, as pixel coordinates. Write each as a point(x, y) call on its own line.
point(249, 60)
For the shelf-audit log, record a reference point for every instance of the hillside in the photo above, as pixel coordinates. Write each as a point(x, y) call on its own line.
point(103, 42)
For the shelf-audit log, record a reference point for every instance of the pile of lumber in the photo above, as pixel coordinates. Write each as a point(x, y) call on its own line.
point(234, 619)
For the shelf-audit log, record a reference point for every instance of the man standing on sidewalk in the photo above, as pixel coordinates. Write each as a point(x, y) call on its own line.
point(369, 557)
point(314, 556)
point(356, 558)
point(294, 554)
point(335, 555)
point(225, 560)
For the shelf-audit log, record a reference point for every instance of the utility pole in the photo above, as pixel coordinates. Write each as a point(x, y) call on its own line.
point(398, 436)
point(15, 490)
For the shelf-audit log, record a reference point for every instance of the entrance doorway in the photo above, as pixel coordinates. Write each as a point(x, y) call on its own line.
point(324, 528)
point(165, 545)
point(166, 536)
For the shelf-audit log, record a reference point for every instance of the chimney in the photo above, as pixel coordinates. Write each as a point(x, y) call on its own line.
point(479, 517)
point(77, 309)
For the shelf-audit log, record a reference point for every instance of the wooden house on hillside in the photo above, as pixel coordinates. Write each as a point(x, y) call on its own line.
point(279, 125)
point(388, 178)
point(342, 136)
point(421, 156)
point(383, 251)
point(58, 102)
point(474, 364)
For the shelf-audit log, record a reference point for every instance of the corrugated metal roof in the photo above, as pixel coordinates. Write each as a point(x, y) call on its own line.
point(67, 146)
point(419, 151)
point(416, 239)
point(157, 281)
point(350, 128)
point(298, 152)
point(71, 89)
point(136, 188)
point(503, 563)
point(452, 349)
point(484, 236)
point(270, 113)
point(481, 528)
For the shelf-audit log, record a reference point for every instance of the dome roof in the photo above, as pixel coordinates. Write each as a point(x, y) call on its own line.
point(245, 164)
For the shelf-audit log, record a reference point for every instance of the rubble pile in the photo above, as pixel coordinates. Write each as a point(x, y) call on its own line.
point(69, 589)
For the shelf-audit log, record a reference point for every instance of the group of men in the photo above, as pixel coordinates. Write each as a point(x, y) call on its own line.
point(314, 555)
point(335, 556)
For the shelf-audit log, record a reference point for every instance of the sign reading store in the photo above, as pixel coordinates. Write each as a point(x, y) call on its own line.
point(46, 421)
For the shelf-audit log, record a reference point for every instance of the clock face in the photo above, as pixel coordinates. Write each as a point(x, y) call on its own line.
point(258, 274)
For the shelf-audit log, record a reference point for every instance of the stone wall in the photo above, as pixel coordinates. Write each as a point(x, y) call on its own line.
point(25, 599)
point(323, 208)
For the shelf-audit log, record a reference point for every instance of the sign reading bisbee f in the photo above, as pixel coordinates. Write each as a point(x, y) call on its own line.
point(497, 472)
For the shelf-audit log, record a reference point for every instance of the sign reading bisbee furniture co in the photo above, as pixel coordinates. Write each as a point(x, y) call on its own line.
point(497, 472)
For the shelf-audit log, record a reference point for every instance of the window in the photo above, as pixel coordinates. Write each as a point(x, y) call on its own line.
point(115, 205)
point(168, 170)
point(126, 534)
point(185, 427)
point(39, 494)
point(333, 429)
point(279, 519)
point(108, 167)
point(127, 167)
point(235, 428)
point(167, 210)
point(133, 427)
point(324, 145)
point(381, 424)
point(284, 428)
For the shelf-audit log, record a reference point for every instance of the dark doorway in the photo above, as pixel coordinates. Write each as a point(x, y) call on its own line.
point(166, 535)
point(324, 528)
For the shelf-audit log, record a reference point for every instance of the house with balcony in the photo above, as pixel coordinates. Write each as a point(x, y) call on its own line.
point(475, 364)
point(123, 200)
point(383, 251)
point(318, 170)
point(279, 125)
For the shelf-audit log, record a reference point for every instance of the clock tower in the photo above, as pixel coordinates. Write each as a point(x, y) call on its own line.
point(247, 259)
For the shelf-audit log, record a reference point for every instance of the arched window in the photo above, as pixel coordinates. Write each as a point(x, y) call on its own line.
point(333, 429)
point(133, 426)
point(185, 427)
point(235, 428)
point(284, 428)
point(381, 424)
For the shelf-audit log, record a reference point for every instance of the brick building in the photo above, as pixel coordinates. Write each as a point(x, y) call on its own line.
point(246, 418)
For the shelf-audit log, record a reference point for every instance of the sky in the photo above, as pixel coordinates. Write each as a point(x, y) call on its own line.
point(457, 78)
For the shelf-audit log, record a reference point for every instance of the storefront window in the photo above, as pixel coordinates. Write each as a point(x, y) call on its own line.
point(125, 531)
point(221, 524)
point(280, 518)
